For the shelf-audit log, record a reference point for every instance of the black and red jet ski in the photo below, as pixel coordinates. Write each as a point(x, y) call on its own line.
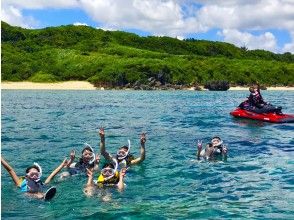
point(269, 117)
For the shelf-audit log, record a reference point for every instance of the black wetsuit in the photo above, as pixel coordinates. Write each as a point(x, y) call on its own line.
point(258, 105)
point(80, 167)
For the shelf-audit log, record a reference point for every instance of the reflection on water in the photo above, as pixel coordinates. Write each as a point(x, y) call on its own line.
point(256, 181)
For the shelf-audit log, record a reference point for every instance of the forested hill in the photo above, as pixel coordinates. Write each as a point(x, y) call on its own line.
point(115, 58)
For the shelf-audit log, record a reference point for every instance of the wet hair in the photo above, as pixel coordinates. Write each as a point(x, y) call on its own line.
point(32, 167)
point(124, 147)
point(108, 165)
point(88, 149)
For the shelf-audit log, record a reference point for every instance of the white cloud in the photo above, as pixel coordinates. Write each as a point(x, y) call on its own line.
point(14, 16)
point(157, 17)
point(289, 47)
point(80, 24)
point(248, 15)
point(174, 17)
point(107, 28)
point(41, 4)
point(266, 41)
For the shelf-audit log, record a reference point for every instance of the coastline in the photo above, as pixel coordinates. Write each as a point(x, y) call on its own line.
point(84, 85)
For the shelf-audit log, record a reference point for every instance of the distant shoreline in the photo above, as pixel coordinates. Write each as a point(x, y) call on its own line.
point(84, 85)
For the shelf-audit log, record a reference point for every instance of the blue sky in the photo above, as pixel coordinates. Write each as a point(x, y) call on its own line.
point(256, 24)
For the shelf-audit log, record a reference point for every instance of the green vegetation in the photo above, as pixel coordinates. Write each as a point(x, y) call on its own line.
point(118, 58)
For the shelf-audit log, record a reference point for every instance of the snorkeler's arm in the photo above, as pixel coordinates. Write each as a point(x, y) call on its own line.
point(90, 177)
point(72, 156)
point(103, 151)
point(143, 152)
point(120, 184)
point(10, 170)
point(96, 162)
point(89, 188)
point(57, 170)
point(225, 153)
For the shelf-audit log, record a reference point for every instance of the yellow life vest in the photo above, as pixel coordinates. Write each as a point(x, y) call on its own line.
point(112, 181)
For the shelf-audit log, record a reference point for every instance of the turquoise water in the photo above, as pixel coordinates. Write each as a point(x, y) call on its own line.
point(257, 181)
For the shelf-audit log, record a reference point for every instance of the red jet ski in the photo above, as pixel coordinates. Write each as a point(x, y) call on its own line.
point(269, 117)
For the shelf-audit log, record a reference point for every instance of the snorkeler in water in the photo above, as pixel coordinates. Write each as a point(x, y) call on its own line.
point(123, 155)
point(88, 160)
point(213, 151)
point(31, 183)
point(109, 177)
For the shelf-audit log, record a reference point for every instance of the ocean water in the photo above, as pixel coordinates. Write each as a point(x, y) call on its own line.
point(256, 182)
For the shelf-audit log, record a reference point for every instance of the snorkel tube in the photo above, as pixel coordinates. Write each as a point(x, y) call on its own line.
point(93, 154)
point(40, 170)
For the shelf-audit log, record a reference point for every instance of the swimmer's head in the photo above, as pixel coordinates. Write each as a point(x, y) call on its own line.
point(252, 89)
point(87, 154)
point(33, 172)
point(123, 151)
point(108, 170)
point(216, 141)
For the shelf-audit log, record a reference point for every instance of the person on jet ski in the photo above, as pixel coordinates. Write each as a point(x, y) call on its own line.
point(257, 104)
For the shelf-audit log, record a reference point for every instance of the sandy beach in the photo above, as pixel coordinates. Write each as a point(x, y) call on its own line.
point(69, 85)
point(83, 85)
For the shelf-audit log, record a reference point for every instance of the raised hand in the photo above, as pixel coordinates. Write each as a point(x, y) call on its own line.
point(72, 155)
point(97, 158)
point(143, 138)
point(123, 172)
point(64, 162)
point(101, 132)
point(225, 150)
point(90, 173)
point(199, 145)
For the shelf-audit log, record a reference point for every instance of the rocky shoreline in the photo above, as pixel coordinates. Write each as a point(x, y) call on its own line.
point(152, 84)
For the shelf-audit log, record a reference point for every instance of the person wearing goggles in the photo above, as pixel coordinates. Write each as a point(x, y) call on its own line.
point(109, 177)
point(87, 160)
point(213, 151)
point(31, 183)
point(123, 155)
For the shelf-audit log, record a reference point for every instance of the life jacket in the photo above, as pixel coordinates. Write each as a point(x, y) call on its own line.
point(126, 162)
point(32, 186)
point(112, 181)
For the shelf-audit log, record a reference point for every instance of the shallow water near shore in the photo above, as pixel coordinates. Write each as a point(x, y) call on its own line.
point(257, 181)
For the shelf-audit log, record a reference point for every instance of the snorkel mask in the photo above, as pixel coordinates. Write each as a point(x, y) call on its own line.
point(220, 142)
point(108, 172)
point(32, 174)
point(121, 154)
point(93, 154)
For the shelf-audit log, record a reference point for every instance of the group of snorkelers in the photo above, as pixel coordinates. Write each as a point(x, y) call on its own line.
point(112, 172)
point(256, 104)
